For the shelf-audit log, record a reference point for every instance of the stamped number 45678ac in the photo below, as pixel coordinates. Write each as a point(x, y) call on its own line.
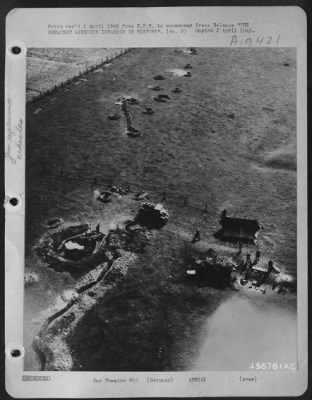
point(273, 366)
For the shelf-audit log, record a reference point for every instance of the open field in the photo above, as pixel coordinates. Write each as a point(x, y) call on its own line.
point(50, 68)
point(228, 140)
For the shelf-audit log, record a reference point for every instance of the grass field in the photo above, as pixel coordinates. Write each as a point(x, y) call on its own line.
point(228, 140)
point(50, 68)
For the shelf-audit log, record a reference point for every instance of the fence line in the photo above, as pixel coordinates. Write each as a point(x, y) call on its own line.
point(85, 69)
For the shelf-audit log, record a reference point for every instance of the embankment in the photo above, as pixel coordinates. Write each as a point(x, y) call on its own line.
point(50, 344)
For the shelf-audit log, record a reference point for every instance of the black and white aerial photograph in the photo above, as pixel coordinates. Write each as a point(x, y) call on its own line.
point(161, 209)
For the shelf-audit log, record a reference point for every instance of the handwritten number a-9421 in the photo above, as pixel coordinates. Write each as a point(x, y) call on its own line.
point(249, 41)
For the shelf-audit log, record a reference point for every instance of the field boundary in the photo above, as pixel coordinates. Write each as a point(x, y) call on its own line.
point(44, 75)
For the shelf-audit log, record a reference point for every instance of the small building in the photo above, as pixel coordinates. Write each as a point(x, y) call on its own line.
point(238, 229)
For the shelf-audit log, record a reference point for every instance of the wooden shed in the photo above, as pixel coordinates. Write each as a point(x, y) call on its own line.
point(239, 229)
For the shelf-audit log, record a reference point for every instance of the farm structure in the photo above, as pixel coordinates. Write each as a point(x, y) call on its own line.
point(242, 230)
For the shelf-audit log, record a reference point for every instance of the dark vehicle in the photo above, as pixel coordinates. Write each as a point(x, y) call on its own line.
point(211, 272)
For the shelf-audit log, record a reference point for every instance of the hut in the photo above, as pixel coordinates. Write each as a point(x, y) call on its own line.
point(238, 229)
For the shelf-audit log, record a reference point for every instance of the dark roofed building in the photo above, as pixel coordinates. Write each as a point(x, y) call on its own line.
point(239, 229)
